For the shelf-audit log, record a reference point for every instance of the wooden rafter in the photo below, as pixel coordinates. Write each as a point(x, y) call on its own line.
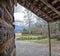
point(12, 5)
point(41, 12)
point(15, 2)
point(46, 17)
point(55, 1)
point(51, 7)
point(10, 2)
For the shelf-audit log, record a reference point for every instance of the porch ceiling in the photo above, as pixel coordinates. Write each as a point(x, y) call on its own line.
point(47, 10)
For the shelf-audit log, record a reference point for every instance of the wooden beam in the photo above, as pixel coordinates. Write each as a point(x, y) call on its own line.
point(7, 11)
point(15, 2)
point(13, 52)
point(49, 11)
point(55, 1)
point(51, 7)
point(49, 39)
point(5, 23)
point(12, 5)
point(4, 46)
point(45, 15)
point(10, 2)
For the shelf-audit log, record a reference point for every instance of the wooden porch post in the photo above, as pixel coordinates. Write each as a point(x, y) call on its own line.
point(49, 39)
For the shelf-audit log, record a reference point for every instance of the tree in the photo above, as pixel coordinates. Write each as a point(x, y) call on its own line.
point(28, 15)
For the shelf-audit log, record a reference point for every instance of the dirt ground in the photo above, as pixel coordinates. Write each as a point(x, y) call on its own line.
point(36, 49)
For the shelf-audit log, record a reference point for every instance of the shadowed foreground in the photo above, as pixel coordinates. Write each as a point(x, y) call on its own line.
point(33, 49)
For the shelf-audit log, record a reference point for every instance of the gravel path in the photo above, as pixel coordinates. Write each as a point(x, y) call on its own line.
point(33, 49)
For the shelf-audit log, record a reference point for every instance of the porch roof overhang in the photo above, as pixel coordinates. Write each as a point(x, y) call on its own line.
point(48, 10)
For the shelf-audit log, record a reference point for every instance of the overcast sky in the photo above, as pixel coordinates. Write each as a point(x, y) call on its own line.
point(19, 15)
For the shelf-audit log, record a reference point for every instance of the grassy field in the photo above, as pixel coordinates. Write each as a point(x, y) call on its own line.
point(43, 41)
point(32, 38)
point(39, 40)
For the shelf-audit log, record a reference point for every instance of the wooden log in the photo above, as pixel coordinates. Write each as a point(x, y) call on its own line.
point(15, 2)
point(7, 38)
point(13, 53)
point(6, 44)
point(8, 50)
point(7, 11)
point(3, 23)
point(6, 31)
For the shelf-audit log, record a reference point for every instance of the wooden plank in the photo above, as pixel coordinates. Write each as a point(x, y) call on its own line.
point(55, 1)
point(50, 12)
point(11, 3)
point(15, 2)
point(51, 7)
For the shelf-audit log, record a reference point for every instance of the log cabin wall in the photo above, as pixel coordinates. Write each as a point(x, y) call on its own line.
point(48, 10)
point(7, 34)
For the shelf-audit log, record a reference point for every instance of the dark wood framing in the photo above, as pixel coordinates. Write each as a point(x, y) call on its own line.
point(42, 8)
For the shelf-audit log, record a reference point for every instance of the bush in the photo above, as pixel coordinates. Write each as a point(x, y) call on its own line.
point(58, 37)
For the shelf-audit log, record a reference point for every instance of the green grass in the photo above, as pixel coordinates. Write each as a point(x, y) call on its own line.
point(33, 39)
point(39, 40)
